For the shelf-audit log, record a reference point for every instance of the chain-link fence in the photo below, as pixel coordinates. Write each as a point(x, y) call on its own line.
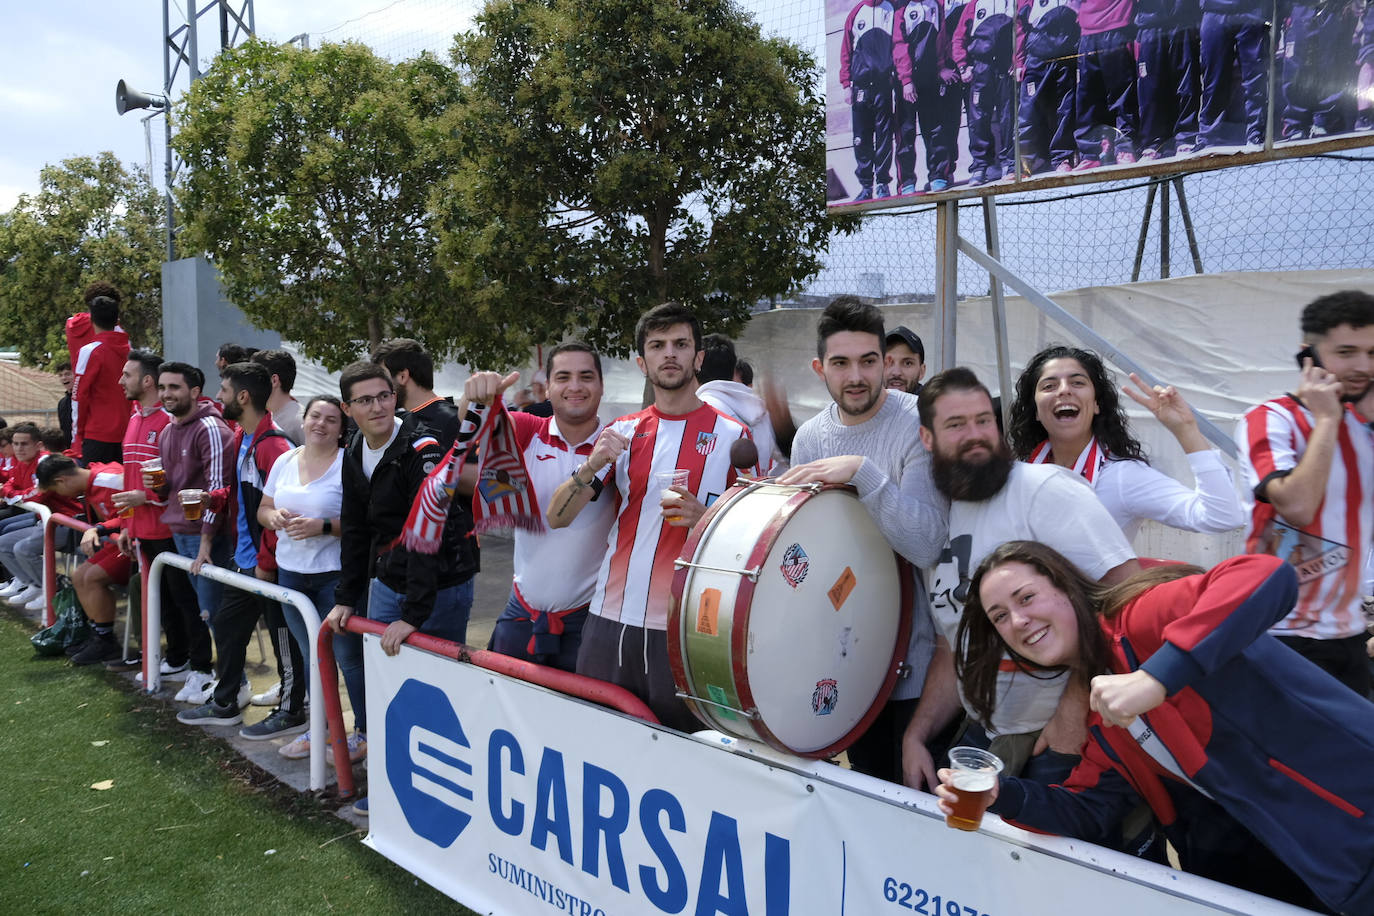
point(1296, 214)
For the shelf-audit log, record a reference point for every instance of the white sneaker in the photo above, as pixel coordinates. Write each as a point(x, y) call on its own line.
point(198, 688)
point(12, 587)
point(168, 671)
point(21, 598)
point(245, 692)
point(38, 603)
point(272, 696)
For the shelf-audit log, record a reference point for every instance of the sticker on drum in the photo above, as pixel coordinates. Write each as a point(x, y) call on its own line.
point(708, 611)
point(795, 565)
point(825, 697)
point(842, 587)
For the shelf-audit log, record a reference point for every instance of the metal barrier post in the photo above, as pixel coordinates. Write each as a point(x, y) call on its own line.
point(50, 523)
point(152, 649)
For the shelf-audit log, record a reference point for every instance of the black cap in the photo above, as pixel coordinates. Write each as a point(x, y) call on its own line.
point(903, 334)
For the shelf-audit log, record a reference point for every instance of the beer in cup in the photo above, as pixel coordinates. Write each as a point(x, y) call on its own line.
point(664, 481)
point(192, 503)
point(974, 776)
point(153, 474)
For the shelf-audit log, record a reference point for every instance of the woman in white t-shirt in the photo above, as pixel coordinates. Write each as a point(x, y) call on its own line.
point(1067, 412)
point(302, 501)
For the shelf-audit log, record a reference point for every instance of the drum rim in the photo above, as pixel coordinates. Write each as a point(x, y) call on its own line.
point(739, 626)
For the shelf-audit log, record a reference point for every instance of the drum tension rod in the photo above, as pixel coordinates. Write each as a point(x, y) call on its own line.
point(752, 574)
point(748, 714)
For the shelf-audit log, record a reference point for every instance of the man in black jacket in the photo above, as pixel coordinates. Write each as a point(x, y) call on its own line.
point(383, 468)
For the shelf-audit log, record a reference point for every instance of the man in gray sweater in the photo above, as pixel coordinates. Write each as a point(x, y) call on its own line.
point(870, 438)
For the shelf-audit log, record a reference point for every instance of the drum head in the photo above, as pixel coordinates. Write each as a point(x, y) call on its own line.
point(800, 655)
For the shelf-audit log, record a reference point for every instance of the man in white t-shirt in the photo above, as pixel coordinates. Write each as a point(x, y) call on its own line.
point(994, 499)
point(625, 640)
point(555, 570)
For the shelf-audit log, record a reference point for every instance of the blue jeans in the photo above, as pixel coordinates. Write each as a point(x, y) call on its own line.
point(15, 522)
point(208, 591)
point(514, 629)
point(448, 620)
point(319, 588)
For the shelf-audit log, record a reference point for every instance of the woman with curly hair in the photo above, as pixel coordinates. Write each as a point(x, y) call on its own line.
point(1254, 761)
point(1067, 412)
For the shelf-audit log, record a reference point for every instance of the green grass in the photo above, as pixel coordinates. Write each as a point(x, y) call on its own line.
point(187, 826)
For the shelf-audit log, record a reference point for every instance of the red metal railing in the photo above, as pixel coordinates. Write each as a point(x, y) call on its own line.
point(575, 685)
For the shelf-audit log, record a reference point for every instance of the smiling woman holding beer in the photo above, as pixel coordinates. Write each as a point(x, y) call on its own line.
point(1255, 762)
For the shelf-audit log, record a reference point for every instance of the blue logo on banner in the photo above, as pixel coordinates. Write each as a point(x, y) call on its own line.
point(426, 762)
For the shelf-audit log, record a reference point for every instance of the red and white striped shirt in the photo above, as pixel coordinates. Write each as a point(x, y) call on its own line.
point(1330, 554)
point(634, 585)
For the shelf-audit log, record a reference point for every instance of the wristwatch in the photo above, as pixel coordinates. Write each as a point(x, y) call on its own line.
point(328, 526)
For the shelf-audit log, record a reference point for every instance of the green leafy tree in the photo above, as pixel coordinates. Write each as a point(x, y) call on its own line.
point(614, 154)
point(91, 219)
point(308, 173)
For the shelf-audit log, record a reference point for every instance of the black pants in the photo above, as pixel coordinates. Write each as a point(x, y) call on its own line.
point(1045, 121)
point(873, 116)
point(1344, 659)
point(1105, 103)
point(95, 450)
point(188, 638)
point(1169, 88)
point(234, 622)
point(637, 659)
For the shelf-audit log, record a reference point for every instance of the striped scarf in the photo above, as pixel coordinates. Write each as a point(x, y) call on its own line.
point(507, 499)
point(1089, 461)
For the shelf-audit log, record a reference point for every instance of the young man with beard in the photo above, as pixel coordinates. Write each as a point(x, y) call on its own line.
point(194, 450)
point(257, 445)
point(994, 499)
point(904, 362)
point(1308, 462)
point(146, 527)
point(625, 640)
point(869, 438)
point(555, 570)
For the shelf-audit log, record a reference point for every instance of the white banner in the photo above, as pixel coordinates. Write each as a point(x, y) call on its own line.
point(514, 799)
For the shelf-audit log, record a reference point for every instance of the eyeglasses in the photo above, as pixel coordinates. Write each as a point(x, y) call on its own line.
point(367, 400)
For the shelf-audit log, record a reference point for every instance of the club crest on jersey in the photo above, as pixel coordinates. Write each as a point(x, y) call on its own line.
point(795, 565)
point(706, 443)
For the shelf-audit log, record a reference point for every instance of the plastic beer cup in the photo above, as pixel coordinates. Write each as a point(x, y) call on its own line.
point(664, 481)
point(153, 471)
point(975, 775)
point(192, 503)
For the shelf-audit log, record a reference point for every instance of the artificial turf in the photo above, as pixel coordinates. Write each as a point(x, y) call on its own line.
point(185, 826)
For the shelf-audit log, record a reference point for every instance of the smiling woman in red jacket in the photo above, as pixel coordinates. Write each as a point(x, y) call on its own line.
point(1254, 760)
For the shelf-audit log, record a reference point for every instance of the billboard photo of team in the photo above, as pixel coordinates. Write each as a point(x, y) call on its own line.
point(925, 96)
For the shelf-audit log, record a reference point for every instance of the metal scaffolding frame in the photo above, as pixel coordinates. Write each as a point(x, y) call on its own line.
point(950, 244)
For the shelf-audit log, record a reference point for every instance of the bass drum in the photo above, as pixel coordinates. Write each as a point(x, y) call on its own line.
point(790, 617)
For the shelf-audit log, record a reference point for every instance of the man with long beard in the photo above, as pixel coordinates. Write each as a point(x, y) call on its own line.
point(994, 499)
point(1306, 459)
point(869, 439)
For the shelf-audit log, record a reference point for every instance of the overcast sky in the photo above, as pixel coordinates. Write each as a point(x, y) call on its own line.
point(60, 61)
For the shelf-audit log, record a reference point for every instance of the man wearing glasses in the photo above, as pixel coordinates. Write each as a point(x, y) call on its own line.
point(383, 467)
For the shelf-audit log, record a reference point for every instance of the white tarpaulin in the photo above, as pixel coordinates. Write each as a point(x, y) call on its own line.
point(514, 799)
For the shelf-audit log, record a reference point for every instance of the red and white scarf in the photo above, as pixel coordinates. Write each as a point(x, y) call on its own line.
point(1088, 463)
point(504, 496)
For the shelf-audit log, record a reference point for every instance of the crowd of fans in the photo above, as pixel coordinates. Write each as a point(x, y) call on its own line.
point(1242, 692)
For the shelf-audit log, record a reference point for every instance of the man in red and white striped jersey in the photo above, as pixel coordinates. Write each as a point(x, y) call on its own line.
point(1308, 460)
point(625, 639)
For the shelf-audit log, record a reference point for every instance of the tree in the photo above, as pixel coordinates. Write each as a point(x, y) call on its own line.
point(614, 154)
point(307, 178)
point(90, 220)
